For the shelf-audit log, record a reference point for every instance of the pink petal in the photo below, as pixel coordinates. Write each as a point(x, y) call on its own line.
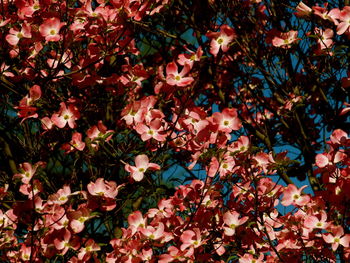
point(141, 160)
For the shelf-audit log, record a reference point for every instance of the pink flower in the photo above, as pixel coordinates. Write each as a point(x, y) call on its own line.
point(325, 159)
point(191, 238)
point(142, 164)
point(221, 39)
point(190, 58)
point(232, 221)
point(25, 252)
point(50, 29)
point(66, 115)
point(153, 233)
point(241, 145)
point(65, 241)
point(284, 40)
point(27, 8)
point(154, 130)
point(323, 12)
point(293, 196)
point(313, 222)
point(133, 113)
point(86, 251)
point(325, 38)
point(99, 11)
point(26, 172)
point(77, 219)
point(339, 136)
point(173, 254)
point(176, 78)
point(61, 197)
point(14, 35)
point(337, 238)
point(227, 120)
point(103, 188)
point(136, 221)
point(98, 133)
point(75, 144)
point(4, 70)
point(26, 110)
point(344, 18)
point(249, 258)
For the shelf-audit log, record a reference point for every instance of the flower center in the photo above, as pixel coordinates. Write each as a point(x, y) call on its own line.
point(296, 196)
point(220, 41)
point(233, 226)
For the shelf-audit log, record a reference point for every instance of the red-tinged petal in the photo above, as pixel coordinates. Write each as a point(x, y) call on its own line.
point(26, 31)
point(108, 204)
point(76, 226)
point(141, 161)
point(171, 68)
point(59, 121)
point(219, 249)
point(35, 92)
point(335, 246)
point(321, 160)
point(12, 39)
point(344, 111)
point(311, 222)
point(243, 220)
point(214, 47)
point(97, 188)
point(156, 124)
point(187, 236)
point(185, 81)
point(136, 219)
point(59, 244)
point(47, 123)
point(228, 31)
point(342, 27)
point(288, 193)
point(145, 137)
point(328, 238)
point(153, 166)
point(225, 47)
point(185, 70)
point(137, 176)
point(339, 136)
point(130, 168)
point(53, 38)
point(213, 167)
point(345, 240)
point(159, 232)
point(229, 231)
point(339, 156)
point(159, 137)
point(141, 128)
point(303, 200)
point(170, 80)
